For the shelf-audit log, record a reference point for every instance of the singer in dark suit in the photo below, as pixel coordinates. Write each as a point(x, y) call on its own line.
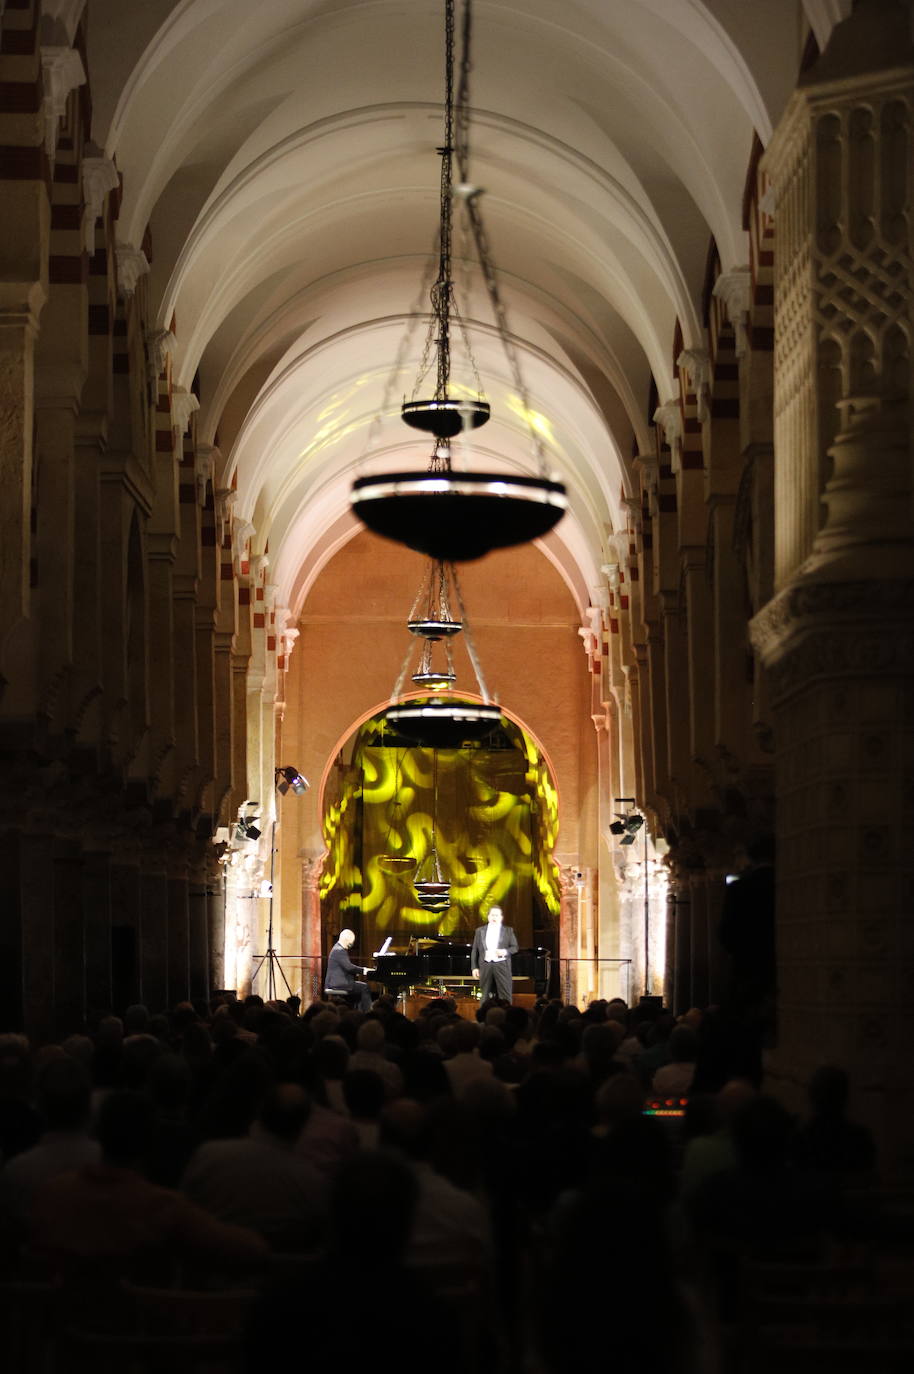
point(490, 960)
point(341, 972)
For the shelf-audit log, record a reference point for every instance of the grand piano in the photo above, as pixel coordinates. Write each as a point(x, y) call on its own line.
point(442, 964)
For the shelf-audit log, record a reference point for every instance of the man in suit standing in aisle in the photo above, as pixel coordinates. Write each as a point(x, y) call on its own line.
point(490, 960)
point(341, 971)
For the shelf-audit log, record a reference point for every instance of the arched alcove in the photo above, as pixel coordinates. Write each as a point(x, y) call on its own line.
point(481, 816)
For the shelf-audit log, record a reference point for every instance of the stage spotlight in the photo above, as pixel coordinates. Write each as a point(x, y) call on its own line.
point(246, 830)
point(290, 777)
point(627, 827)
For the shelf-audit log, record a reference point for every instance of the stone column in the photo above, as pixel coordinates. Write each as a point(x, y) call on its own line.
point(198, 948)
point(125, 932)
point(178, 939)
point(215, 925)
point(311, 870)
point(96, 903)
point(836, 639)
point(36, 883)
point(69, 940)
point(154, 940)
point(698, 890)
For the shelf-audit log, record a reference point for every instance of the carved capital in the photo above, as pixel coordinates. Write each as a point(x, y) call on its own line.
point(59, 19)
point(696, 364)
point(225, 499)
point(63, 70)
point(160, 344)
point(183, 405)
point(259, 564)
point(132, 264)
point(669, 418)
point(734, 291)
point(819, 629)
point(99, 177)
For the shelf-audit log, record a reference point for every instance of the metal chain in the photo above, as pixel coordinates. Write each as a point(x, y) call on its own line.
point(483, 251)
point(468, 637)
point(442, 291)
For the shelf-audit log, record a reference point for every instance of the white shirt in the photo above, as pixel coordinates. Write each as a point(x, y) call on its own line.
point(493, 940)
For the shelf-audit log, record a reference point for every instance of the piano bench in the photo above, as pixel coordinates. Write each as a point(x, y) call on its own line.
point(337, 997)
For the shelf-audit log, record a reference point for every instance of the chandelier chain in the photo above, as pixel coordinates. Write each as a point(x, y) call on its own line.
point(480, 238)
point(468, 639)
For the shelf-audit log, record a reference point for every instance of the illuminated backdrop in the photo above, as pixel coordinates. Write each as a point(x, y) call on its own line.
point(493, 812)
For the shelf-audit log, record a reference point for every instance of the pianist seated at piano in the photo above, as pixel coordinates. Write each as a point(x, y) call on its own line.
point(341, 972)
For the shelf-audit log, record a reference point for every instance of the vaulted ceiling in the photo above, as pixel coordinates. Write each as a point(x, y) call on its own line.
point(283, 156)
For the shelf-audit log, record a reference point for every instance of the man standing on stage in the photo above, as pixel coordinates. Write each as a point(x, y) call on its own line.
point(490, 961)
point(341, 971)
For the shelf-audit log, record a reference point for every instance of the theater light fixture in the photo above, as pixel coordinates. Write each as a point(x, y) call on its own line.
point(459, 515)
point(245, 829)
point(627, 827)
point(289, 778)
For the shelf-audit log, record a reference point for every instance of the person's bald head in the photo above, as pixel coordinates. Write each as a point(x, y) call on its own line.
point(347, 938)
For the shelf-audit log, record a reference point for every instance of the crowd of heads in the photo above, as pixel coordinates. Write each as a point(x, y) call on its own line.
point(517, 1144)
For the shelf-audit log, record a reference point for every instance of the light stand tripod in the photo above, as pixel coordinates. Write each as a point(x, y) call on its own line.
point(270, 957)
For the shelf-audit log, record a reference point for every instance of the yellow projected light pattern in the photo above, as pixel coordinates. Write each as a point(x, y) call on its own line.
point(493, 820)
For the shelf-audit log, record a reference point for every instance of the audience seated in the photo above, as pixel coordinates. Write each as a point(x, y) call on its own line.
point(260, 1181)
point(464, 1065)
point(675, 1078)
point(105, 1219)
point(63, 1103)
point(407, 1157)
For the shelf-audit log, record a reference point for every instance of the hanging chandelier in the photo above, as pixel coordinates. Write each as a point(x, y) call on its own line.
point(440, 722)
point(454, 516)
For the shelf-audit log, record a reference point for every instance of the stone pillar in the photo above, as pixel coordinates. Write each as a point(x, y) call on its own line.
point(125, 934)
point(69, 940)
point(311, 870)
point(215, 926)
point(715, 891)
point(96, 903)
point(198, 949)
point(178, 939)
point(836, 638)
point(154, 937)
point(36, 881)
point(698, 890)
point(682, 924)
point(568, 935)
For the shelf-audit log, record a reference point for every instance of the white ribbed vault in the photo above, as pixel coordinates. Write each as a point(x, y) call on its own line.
point(282, 155)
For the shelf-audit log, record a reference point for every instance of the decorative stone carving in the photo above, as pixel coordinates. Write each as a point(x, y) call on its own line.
point(242, 531)
point(828, 629)
point(59, 19)
point(734, 291)
point(99, 177)
point(63, 70)
point(696, 364)
point(611, 572)
point(290, 638)
point(183, 405)
point(225, 499)
point(669, 417)
point(259, 564)
point(160, 344)
point(131, 265)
